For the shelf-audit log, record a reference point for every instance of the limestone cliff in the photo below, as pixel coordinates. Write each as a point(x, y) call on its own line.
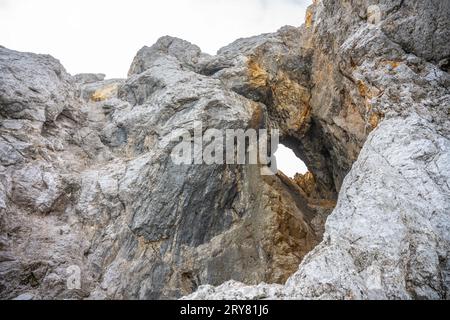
point(359, 92)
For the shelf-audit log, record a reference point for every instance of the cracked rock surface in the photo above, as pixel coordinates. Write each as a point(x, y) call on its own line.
point(87, 178)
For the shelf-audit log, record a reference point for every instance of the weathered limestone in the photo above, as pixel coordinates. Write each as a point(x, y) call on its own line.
point(359, 92)
point(388, 236)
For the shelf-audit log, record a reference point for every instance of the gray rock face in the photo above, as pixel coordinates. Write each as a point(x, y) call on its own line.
point(89, 77)
point(34, 87)
point(388, 237)
point(405, 254)
point(183, 52)
point(93, 207)
point(420, 28)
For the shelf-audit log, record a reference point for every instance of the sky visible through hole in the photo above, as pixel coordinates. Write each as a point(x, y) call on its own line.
point(102, 36)
point(288, 163)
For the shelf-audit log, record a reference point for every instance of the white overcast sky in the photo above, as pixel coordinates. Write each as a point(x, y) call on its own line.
point(102, 36)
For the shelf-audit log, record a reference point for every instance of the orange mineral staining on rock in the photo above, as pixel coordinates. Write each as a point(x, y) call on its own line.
point(257, 75)
point(104, 93)
point(308, 18)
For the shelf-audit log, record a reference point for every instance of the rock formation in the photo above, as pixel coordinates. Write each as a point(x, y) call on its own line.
point(360, 92)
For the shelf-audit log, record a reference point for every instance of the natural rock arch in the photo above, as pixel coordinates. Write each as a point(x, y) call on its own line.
point(87, 180)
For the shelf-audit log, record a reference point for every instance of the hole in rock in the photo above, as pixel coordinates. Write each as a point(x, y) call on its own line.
point(288, 162)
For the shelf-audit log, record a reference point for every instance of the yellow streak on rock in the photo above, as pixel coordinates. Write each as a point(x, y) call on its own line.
point(292, 100)
point(363, 90)
point(105, 93)
point(308, 18)
point(394, 64)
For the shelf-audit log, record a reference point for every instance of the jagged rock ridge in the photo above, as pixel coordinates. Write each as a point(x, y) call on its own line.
point(87, 178)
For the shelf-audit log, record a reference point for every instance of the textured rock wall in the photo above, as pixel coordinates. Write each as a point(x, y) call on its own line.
point(142, 226)
point(388, 236)
point(87, 178)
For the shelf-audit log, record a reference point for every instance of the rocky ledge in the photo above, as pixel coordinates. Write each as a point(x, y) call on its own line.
point(360, 92)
